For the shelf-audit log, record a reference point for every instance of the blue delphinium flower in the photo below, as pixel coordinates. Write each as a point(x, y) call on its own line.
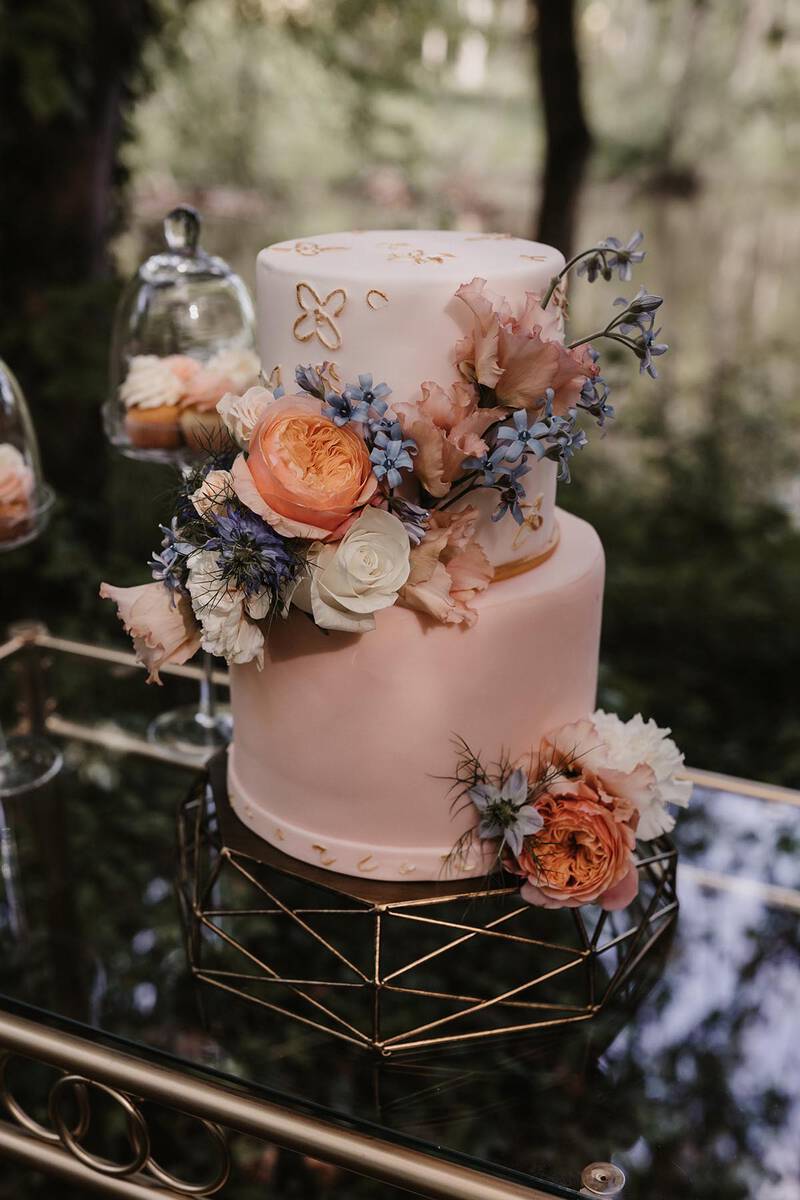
point(648, 349)
point(251, 556)
point(639, 314)
point(621, 256)
point(522, 438)
point(367, 392)
point(381, 418)
point(593, 265)
point(511, 492)
point(594, 400)
point(168, 565)
point(341, 409)
point(490, 464)
point(310, 380)
point(390, 454)
point(565, 439)
point(415, 519)
point(505, 812)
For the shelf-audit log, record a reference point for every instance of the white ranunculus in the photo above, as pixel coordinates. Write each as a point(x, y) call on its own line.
point(214, 493)
point(241, 414)
point(626, 745)
point(227, 617)
point(348, 582)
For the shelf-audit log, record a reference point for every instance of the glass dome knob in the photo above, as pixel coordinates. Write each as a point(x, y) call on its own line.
point(182, 229)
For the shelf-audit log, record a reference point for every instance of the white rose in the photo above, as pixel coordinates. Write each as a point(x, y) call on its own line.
point(241, 414)
point(214, 493)
point(227, 617)
point(349, 581)
point(628, 744)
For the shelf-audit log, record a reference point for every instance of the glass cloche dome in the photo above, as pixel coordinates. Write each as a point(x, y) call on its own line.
point(25, 499)
point(184, 335)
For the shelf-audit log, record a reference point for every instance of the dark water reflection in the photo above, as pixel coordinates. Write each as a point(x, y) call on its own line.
point(694, 1089)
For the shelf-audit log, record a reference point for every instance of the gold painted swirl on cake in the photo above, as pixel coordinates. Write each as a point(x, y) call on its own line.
point(530, 523)
point(419, 256)
point(308, 249)
point(376, 298)
point(318, 315)
point(520, 566)
point(273, 380)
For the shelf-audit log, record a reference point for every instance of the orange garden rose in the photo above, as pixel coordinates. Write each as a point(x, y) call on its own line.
point(583, 854)
point(304, 475)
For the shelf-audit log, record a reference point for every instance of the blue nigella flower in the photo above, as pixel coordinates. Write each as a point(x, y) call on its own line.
point(251, 556)
point(511, 492)
point(505, 812)
point(415, 519)
point(343, 409)
point(621, 256)
point(390, 455)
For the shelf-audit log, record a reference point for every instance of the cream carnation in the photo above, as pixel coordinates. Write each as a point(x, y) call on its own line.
point(150, 383)
point(227, 617)
point(350, 581)
point(629, 744)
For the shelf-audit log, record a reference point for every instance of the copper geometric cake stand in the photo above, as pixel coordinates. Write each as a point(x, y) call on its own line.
point(400, 966)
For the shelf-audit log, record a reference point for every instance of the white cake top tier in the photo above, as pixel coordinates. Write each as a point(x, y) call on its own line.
point(382, 301)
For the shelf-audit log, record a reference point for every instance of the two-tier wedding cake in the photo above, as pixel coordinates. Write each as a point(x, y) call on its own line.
point(412, 625)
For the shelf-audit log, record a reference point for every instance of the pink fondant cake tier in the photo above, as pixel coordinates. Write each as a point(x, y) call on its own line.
point(341, 742)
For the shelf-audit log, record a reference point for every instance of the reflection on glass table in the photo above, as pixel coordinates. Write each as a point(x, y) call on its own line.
point(692, 1088)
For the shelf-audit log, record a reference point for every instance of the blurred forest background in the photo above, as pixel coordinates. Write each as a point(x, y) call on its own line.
point(290, 117)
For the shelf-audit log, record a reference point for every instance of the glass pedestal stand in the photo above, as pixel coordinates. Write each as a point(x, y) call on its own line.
point(195, 732)
point(26, 763)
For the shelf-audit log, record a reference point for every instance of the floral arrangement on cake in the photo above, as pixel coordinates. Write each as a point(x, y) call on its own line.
point(332, 501)
point(568, 817)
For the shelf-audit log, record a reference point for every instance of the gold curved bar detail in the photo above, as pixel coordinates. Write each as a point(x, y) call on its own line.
point(510, 569)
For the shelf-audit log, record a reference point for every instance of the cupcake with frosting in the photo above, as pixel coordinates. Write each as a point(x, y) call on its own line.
point(151, 393)
point(233, 370)
point(17, 488)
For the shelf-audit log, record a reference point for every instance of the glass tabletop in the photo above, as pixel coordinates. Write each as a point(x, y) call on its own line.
point(691, 1086)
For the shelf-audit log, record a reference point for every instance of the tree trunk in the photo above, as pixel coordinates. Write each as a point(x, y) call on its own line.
point(568, 140)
